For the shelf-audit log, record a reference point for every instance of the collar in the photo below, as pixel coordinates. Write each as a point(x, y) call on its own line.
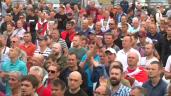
point(16, 62)
point(133, 72)
point(157, 83)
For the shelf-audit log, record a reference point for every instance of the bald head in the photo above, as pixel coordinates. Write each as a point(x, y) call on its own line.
point(76, 75)
point(74, 81)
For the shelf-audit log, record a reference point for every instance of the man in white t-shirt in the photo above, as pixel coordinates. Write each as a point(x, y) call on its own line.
point(149, 52)
point(168, 68)
point(127, 47)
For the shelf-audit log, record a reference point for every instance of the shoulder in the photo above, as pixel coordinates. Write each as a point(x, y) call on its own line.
point(145, 84)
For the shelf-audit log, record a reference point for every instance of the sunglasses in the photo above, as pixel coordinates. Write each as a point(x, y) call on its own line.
point(51, 71)
point(12, 79)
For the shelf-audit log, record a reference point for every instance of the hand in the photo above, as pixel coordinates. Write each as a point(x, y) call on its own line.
point(103, 81)
point(130, 79)
point(2, 74)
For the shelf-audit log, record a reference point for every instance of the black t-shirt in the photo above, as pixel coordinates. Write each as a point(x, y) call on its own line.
point(31, 22)
point(61, 20)
point(79, 93)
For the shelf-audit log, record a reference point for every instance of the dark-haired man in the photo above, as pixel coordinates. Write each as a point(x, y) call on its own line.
point(29, 84)
point(58, 88)
point(155, 86)
point(117, 88)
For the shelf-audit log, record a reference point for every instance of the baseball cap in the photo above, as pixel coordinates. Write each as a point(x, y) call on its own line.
point(111, 50)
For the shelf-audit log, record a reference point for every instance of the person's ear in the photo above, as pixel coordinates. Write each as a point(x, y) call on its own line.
point(81, 82)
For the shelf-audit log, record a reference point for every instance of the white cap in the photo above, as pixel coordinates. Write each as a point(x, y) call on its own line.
point(111, 50)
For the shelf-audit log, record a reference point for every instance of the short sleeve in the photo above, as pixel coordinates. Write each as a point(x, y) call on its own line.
point(168, 64)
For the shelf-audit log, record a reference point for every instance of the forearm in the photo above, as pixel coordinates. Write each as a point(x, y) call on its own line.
point(168, 75)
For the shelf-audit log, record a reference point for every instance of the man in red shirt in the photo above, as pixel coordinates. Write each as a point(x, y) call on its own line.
point(69, 33)
point(135, 74)
point(28, 46)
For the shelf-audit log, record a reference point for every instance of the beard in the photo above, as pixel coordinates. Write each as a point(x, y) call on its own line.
point(114, 81)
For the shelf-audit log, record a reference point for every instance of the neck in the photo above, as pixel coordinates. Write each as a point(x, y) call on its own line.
point(42, 48)
point(109, 45)
point(74, 91)
point(27, 43)
point(155, 80)
point(74, 68)
point(126, 49)
point(115, 88)
point(13, 60)
point(150, 56)
point(78, 47)
point(15, 92)
point(132, 67)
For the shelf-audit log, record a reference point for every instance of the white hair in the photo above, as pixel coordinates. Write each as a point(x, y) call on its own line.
point(39, 71)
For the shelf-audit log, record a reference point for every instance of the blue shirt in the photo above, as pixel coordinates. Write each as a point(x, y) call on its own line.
point(88, 70)
point(159, 90)
point(122, 91)
point(8, 66)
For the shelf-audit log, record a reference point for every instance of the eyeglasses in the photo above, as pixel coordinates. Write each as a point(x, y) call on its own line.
point(51, 71)
point(12, 79)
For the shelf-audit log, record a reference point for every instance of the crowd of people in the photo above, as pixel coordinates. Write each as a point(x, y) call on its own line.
point(120, 50)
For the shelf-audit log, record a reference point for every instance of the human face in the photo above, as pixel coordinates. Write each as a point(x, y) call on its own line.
point(169, 31)
point(74, 82)
point(56, 48)
point(135, 92)
point(98, 26)
point(52, 72)
point(55, 35)
point(126, 42)
point(111, 57)
point(115, 76)
point(153, 29)
point(153, 71)
point(103, 57)
point(100, 91)
point(14, 42)
point(9, 27)
point(108, 39)
point(27, 38)
point(148, 49)
point(76, 42)
point(57, 91)
point(132, 59)
point(123, 19)
point(112, 25)
point(13, 81)
point(42, 42)
point(19, 24)
point(13, 53)
point(68, 26)
point(124, 28)
point(85, 24)
point(27, 88)
point(72, 60)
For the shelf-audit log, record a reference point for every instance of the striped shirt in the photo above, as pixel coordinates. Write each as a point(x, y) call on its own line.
point(45, 53)
point(63, 43)
point(122, 91)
